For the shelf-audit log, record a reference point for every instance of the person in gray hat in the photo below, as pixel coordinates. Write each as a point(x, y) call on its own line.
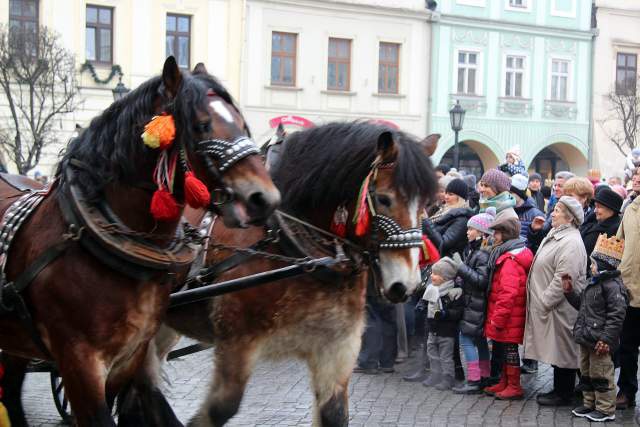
point(548, 329)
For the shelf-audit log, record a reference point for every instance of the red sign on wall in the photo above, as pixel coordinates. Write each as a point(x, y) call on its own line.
point(291, 120)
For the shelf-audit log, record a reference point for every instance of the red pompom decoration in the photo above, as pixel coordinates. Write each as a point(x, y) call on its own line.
point(196, 194)
point(429, 254)
point(163, 206)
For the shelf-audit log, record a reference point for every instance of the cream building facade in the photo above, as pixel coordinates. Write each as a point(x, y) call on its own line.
point(138, 45)
point(617, 52)
point(340, 60)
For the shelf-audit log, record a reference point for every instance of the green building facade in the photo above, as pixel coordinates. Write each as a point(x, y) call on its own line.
point(522, 71)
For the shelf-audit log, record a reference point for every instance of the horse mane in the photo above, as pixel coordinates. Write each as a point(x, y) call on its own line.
point(325, 166)
point(111, 146)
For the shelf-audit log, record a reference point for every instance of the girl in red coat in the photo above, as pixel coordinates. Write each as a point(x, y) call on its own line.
point(509, 262)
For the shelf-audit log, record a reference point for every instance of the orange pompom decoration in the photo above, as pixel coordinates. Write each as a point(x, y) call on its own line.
point(159, 132)
point(196, 194)
point(163, 206)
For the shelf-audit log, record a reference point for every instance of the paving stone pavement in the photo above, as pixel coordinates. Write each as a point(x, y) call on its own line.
point(279, 395)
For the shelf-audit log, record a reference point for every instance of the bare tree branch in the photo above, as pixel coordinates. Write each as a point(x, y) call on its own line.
point(622, 123)
point(38, 79)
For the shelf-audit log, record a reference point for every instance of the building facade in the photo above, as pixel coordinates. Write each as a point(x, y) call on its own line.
point(522, 71)
point(134, 37)
point(617, 51)
point(327, 60)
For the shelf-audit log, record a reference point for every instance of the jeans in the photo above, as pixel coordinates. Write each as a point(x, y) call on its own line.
point(379, 340)
point(474, 348)
point(628, 352)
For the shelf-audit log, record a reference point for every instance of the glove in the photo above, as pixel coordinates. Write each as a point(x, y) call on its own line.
point(421, 305)
point(427, 226)
point(440, 314)
point(457, 260)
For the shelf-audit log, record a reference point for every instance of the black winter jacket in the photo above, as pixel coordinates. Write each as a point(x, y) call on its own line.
point(538, 198)
point(473, 277)
point(591, 229)
point(601, 307)
point(447, 324)
point(449, 232)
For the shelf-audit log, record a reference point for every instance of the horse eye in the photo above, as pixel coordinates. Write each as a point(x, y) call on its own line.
point(203, 127)
point(384, 200)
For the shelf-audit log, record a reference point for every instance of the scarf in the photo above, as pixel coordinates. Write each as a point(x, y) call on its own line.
point(501, 202)
point(444, 209)
point(433, 294)
point(498, 251)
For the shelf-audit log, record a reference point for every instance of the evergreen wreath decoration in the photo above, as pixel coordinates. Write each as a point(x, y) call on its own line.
point(115, 70)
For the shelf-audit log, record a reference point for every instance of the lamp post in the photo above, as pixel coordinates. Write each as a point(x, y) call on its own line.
point(457, 119)
point(120, 91)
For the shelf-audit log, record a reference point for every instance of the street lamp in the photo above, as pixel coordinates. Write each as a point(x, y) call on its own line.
point(457, 119)
point(120, 90)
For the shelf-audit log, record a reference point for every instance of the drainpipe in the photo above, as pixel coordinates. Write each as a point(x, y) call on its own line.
point(594, 34)
point(431, 22)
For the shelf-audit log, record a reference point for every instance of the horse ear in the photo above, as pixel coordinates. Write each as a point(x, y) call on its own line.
point(171, 77)
point(387, 150)
point(430, 143)
point(199, 69)
point(280, 131)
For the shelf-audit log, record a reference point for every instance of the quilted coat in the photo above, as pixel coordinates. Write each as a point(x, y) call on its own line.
point(449, 232)
point(506, 313)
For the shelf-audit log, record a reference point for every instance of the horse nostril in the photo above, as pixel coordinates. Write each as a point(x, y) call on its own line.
point(257, 200)
point(397, 291)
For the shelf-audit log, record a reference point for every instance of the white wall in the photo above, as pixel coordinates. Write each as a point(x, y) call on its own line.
point(315, 22)
point(618, 31)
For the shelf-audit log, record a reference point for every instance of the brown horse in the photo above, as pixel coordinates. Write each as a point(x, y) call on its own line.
point(316, 318)
point(96, 314)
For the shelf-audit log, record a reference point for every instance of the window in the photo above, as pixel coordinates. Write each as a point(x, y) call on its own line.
point(559, 79)
point(518, 3)
point(23, 15)
point(564, 8)
point(389, 67)
point(339, 68)
point(178, 42)
point(626, 73)
point(514, 76)
point(467, 72)
point(283, 58)
point(99, 34)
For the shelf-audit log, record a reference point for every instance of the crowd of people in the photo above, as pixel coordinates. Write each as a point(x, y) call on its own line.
point(549, 273)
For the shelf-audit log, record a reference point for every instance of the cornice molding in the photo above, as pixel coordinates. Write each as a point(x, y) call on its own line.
point(495, 25)
point(342, 6)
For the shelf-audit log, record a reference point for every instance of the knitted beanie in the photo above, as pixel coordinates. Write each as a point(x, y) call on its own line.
point(483, 222)
point(445, 268)
point(519, 184)
point(458, 187)
point(497, 180)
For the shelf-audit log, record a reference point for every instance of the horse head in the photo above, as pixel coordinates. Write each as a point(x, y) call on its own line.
point(218, 145)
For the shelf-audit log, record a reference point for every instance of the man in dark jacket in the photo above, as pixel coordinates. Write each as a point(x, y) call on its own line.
point(601, 312)
point(607, 219)
point(535, 188)
point(525, 206)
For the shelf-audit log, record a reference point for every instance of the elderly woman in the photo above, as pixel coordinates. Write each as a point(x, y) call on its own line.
point(548, 331)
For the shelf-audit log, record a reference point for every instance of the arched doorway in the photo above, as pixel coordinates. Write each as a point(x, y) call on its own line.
point(556, 158)
point(475, 157)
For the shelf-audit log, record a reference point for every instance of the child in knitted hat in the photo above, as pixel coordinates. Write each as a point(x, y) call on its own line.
point(474, 273)
point(444, 309)
point(601, 312)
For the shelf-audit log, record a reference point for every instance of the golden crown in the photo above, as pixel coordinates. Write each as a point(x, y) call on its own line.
point(612, 247)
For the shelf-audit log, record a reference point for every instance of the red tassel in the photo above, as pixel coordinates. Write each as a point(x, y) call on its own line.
point(196, 194)
point(364, 222)
point(163, 206)
point(362, 218)
point(429, 253)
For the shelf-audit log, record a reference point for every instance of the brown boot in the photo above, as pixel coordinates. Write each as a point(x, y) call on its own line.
point(623, 402)
point(502, 384)
point(513, 391)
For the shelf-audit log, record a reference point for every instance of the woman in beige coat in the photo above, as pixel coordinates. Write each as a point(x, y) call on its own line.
point(548, 330)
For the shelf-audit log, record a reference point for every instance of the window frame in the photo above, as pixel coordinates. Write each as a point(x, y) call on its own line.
point(619, 91)
point(98, 26)
point(339, 60)
point(385, 90)
point(478, 67)
point(524, 92)
point(23, 18)
point(555, 12)
point(176, 34)
point(569, 76)
point(526, 7)
point(284, 54)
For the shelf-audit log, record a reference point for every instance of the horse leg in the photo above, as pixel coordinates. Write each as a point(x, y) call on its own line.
point(234, 362)
point(331, 366)
point(84, 376)
point(14, 371)
point(142, 403)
